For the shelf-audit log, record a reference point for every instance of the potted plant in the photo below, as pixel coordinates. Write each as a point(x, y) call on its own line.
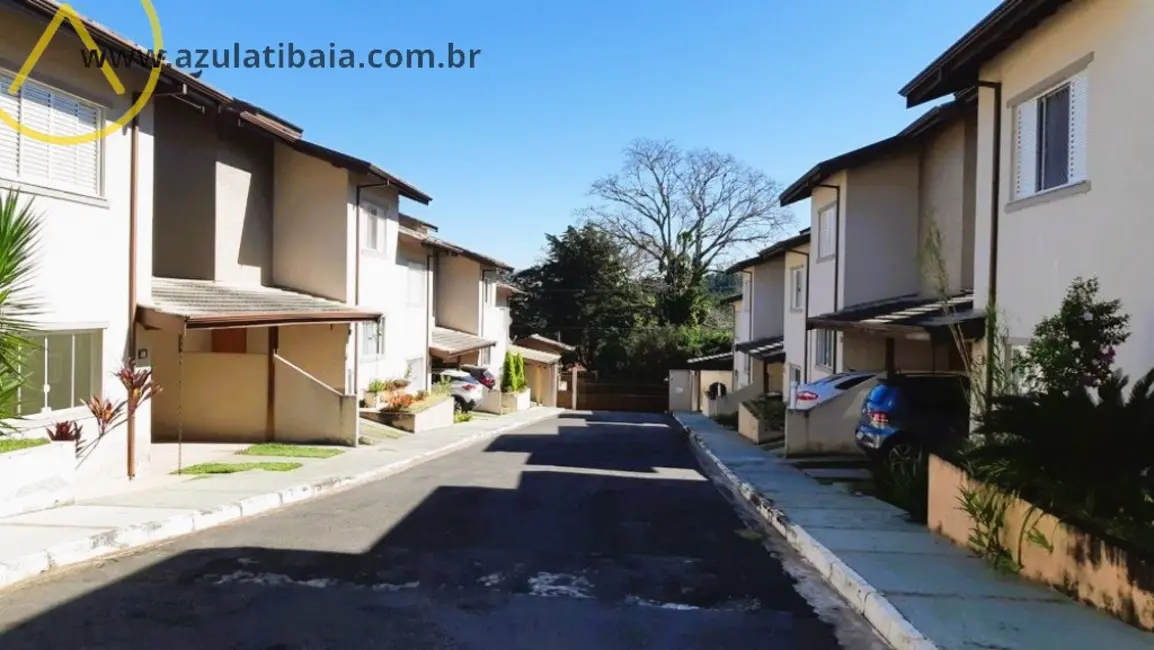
point(375, 393)
point(514, 386)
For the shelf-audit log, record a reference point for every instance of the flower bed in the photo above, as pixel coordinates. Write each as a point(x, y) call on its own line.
point(1019, 537)
point(409, 413)
point(512, 402)
point(37, 478)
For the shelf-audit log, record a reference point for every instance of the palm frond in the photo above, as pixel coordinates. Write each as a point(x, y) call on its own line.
point(19, 242)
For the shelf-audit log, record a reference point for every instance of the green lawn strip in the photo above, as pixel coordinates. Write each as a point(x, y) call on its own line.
point(16, 444)
point(232, 468)
point(290, 451)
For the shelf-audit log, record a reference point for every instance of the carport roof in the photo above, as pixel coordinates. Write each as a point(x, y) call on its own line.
point(179, 304)
point(454, 343)
point(906, 314)
point(723, 361)
point(770, 348)
point(540, 356)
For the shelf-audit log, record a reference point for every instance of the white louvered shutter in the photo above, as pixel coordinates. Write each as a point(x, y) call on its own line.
point(1026, 149)
point(1079, 124)
point(36, 114)
point(9, 137)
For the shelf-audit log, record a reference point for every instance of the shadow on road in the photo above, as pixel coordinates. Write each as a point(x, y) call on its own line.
point(558, 560)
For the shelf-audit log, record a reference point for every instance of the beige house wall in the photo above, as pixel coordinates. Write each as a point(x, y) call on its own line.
point(946, 191)
point(458, 293)
point(795, 337)
point(1102, 232)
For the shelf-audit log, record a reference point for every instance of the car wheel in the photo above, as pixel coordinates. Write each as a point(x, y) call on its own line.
point(460, 405)
point(905, 452)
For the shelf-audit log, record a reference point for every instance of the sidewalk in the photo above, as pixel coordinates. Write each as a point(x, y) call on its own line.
point(917, 589)
point(160, 506)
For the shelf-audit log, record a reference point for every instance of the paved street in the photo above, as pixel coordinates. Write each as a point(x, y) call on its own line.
point(578, 532)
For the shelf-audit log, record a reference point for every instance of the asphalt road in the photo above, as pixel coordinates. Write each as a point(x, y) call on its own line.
point(583, 532)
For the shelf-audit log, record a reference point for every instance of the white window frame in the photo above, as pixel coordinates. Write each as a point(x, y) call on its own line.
point(827, 232)
point(489, 292)
point(824, 348)
point(797, 288)
point(414, 270)
point(22, 142)
point(39, 338)
point(373, 339)
point(1028, 138)
point(376, 227)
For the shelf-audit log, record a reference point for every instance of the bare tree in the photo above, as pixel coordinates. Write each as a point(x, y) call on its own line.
point(686, 212)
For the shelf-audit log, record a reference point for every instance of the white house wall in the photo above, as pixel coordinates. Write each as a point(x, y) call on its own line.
point(880, 231)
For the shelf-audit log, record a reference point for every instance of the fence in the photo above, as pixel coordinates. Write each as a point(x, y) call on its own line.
point(604, 394)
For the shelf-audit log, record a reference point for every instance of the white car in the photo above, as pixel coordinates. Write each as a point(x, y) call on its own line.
point(465, 389)
point(824, 389)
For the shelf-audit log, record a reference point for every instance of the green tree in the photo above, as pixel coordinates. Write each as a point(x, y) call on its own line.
point(582, 292)
point(19, 239)
point(509, 374)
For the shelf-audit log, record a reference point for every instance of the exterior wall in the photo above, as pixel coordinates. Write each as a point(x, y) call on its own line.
point(793, 321)
point(244, 194)
point(946, 189)
point(822, 286)
point(319, 350)
point(880, 258)
point(768, 298)
point(741, 332)
point(1101, 232)
point(82, 271)
point(458, 294)
point(311, 232)
point(867, 352)
point(185, 225)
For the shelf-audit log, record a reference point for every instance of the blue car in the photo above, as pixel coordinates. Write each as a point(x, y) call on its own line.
point(907, 414)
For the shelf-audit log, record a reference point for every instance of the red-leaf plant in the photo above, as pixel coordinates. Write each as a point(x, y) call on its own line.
point(138, 385)
point(106, 412)
point(66, 431)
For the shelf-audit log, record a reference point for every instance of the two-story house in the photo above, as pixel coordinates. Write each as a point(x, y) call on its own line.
point(759, 319)
point(1063, 157)
point(875, 298)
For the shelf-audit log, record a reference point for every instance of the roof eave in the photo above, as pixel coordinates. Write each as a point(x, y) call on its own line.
point(157, 318)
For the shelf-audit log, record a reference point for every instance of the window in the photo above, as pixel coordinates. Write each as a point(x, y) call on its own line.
point(827, 232)
point(69, 167)
point(415, 275)
point(374, 227)
point(373, 338)
point(825, 342)
point(797, 288)
point(489, 295)
point(1050, 139)
point(484, 357)
point(62, 370)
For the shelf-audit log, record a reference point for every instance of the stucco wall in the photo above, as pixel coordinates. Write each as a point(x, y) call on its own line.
point(307, 411)
point(768, 298)
point(183, 242)
point(82, 273)
point(244, 193)
point(881, 231)
point(946, 198)
point(458, 294)
point(1102, 232)
point(793, 321)
point(319, 350)
point(311, 227)
point(868, 352)
point(822, 285)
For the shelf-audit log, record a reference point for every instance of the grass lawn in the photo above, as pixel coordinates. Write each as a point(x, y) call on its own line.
point(232, 468)
point(290, 451)
point(16, 444)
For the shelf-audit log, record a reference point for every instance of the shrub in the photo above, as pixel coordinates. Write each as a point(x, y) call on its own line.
point(768, 410)
point(399, 403)
point(460, 416)
point(422, 394)
point(376, 386)
point(66, 431)
point(509, 374)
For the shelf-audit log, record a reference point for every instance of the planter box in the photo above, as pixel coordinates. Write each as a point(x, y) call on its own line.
point(37, 478)
point(1080, 564)
point(754, 429)
point(511, 402)
point(437, 416)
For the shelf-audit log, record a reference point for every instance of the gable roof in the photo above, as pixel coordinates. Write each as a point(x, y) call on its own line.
point(564, 347)
point(354, 164)
point(769, 253)
point(907, 138)
point(958, 67)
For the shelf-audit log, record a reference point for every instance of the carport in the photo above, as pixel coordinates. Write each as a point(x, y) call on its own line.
point(769, 354)
point(905, 333)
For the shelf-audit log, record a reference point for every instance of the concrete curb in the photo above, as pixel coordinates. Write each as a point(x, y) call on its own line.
point(135, 536)
point(872, 604)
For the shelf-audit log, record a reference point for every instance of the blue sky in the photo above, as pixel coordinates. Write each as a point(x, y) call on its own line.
point(508, 150)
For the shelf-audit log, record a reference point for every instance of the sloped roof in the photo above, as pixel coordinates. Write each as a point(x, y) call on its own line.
point(201, 304)
point(723, 361)
point(904, 314)
point(770, 252)
point(564, 347)
point(770, 348)
point(454, 343)
point(539, 356)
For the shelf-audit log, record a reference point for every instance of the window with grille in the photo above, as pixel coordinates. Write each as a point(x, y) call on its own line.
point(824, 345)
point(25, 160)
point(1050, 138)
point(61, 370)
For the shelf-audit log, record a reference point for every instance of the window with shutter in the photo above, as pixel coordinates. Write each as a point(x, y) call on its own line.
point(416, 283)
point(797, 287)
point(374, 227)
point(827, 232)
point(1050, 138)
point(23, 159)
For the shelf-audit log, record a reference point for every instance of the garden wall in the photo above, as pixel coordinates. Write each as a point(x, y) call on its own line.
point(1079, 564)
point(37, 478)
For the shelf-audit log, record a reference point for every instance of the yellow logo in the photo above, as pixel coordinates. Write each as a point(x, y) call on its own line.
point(66, 12)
